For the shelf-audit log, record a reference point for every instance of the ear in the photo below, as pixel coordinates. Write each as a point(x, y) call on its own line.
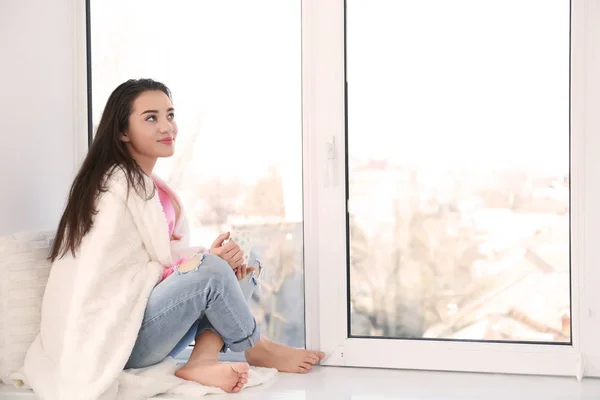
point(125, 137)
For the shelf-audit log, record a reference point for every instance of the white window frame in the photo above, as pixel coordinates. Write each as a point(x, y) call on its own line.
point(325, 219)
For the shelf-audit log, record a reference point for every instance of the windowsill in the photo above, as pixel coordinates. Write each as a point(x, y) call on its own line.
point(355, 383)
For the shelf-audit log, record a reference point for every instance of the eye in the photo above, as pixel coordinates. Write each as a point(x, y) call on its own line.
point(171, 115)
point(151, 118)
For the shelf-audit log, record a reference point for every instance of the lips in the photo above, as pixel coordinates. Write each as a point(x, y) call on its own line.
point(166, 141)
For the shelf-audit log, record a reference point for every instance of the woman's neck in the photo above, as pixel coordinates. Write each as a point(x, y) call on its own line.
point(146, 163)
point(147, 167)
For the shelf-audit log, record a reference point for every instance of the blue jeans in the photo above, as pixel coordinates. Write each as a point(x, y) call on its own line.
point(186, 304)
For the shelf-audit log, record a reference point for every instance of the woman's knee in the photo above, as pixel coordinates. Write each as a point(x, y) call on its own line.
point(189, 265)
point(209, 271)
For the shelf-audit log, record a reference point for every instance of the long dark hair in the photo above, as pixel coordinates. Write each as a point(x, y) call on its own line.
point(106, 152)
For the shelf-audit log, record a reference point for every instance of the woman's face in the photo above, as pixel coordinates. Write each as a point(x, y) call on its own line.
point(152, 129)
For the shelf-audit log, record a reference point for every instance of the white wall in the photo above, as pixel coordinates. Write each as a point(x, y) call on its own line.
point(42, 109)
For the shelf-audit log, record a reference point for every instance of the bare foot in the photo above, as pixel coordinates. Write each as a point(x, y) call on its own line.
point(231, 377)
point(283, 358)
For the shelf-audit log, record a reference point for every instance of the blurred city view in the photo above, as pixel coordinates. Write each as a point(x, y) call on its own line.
point(459, 255)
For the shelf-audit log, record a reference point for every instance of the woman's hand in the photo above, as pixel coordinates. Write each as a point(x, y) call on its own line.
point(243, 272)
point(229, 252)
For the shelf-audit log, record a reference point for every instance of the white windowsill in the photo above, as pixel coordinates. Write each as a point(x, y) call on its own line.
point(356, 383)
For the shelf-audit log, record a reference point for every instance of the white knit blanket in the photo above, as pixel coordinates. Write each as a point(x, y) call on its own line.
point(144, 383)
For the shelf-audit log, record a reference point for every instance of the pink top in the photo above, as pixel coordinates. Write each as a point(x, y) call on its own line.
point(171, 216)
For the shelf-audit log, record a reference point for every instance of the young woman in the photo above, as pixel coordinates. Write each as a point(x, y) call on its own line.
point(111, 223)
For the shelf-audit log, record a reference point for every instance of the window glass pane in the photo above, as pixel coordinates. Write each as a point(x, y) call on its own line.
point(234, 67)
point(458, 148)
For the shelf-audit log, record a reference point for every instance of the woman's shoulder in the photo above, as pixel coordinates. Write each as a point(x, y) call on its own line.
point(116, 199)
point(118, 183)
point(115, 182)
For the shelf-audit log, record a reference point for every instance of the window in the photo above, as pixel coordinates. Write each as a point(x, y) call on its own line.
point(458, 166)
point(234, 68)
point(451, 189)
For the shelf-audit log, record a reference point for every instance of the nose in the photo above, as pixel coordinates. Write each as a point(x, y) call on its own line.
point(165, 127)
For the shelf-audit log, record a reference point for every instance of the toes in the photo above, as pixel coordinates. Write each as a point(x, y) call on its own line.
point(307, 366)
point(311, 360)
point(318, 354)
point(238, 387)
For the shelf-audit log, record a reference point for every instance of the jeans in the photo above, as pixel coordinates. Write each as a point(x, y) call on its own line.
point(186, 304)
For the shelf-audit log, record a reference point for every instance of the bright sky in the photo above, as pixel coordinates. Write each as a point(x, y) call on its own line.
point(442, 83)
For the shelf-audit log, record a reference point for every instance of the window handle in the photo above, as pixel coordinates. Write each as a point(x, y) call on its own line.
point(332, 169)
